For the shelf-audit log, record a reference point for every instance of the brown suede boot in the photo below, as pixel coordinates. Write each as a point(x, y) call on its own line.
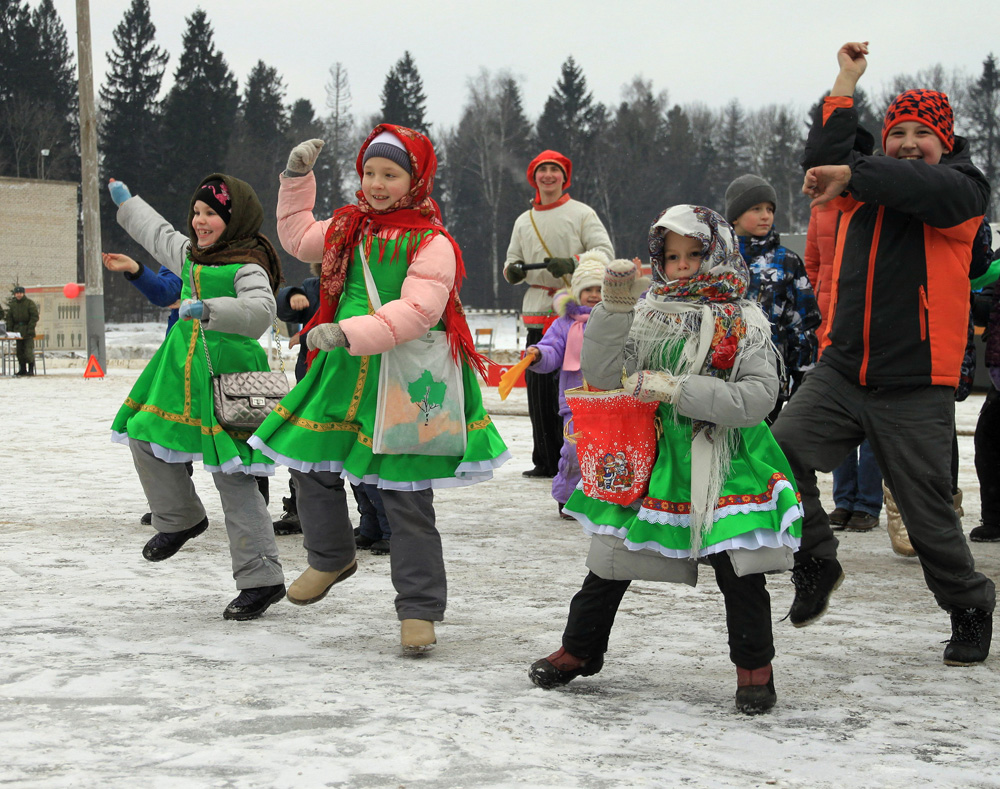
point(312, 585)
point(755, 690)
point(416, 635)
point(898, 536)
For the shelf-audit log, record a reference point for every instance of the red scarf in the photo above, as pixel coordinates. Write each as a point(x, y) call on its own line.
point(416, 212)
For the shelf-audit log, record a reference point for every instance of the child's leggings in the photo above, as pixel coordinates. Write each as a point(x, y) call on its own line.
point(748, 615)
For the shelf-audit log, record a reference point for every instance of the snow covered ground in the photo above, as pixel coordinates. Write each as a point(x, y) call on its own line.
point(115, 672)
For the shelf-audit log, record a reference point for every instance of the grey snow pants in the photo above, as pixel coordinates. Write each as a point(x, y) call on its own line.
point(910, 431)
point(175, 506)
point(416, 559)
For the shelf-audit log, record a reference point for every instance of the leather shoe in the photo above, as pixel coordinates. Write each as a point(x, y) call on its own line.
point(312, 585)
point(165, 544)
point(561, 667)
point(862, 521)
point(253, 602)
point(839, 518)
point(537, 472)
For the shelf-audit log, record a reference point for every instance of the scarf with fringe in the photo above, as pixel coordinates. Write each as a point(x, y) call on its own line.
point(699, 326)
point(417, 213)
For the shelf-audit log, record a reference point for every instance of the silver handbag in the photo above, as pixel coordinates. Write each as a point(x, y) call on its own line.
point(243, 400)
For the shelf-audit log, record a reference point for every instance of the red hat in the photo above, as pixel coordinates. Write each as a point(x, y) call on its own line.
point(549, 157)
point(929, 107)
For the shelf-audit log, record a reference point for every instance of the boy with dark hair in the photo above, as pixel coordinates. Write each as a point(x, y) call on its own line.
point(892, 357)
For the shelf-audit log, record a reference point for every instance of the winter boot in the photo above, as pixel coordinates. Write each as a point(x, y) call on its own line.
point(839, 518)
point(985, 532)
point(147, 519)
point(755, 690)
point(560, 667)
point(252, 603)
point(312, 585)
point(971, 633)
point(20, 369)
point(861, 521)
point(31, 368)
point(416, 636)
point(898, 536)
point(815, 580)
point(381, 548)
point(165, 544)
point(288, 523)
point(363, 542)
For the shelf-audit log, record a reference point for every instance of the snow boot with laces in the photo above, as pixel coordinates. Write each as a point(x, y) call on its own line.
point(288, 523)
point(971, 633)
point(814, 580)
point(755, 690)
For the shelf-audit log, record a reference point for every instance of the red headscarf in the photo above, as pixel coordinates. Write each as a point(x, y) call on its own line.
point(414, 212)
point(549, 157)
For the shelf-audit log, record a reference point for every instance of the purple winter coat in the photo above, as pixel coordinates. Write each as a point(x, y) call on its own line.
point(553, 348)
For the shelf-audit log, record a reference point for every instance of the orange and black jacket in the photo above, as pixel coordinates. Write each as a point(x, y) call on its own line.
point(899, 307)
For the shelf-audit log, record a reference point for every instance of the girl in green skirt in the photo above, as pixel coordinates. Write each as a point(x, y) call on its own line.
point(720, 490)
point(230, 273)
point(390, 278)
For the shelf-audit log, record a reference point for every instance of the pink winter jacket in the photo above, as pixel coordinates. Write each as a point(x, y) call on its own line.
point(424, 296)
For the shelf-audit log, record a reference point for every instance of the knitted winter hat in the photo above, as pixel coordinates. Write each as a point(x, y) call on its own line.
point(746, 192)
point(388, 146)
point(929, 107)
point(589, 272)
point(215, 194)
point(18, 289)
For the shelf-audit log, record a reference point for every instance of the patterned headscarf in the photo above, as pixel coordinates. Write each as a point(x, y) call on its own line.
point(723, 275)
point(415, 212)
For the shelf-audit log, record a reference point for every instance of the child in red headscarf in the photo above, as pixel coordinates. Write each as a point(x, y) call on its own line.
point(324, 429)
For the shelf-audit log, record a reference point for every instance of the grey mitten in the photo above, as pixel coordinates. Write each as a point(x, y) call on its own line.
point(650, 386)
point(622, 286)
point(303, 157)
point(326, 337)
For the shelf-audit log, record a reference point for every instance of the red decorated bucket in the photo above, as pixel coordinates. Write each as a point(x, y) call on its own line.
point(615, 437)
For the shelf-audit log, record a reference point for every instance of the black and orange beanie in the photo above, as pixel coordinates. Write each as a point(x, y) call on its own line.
point(929, 107)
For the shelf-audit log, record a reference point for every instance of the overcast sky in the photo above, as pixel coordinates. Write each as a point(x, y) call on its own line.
point(758, 52)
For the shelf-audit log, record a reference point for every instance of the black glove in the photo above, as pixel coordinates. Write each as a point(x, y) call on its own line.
point(557, 267)
point(515, 272)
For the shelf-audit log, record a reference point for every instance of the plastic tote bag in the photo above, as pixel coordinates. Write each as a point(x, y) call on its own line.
point(420, 407)
point(421, 400)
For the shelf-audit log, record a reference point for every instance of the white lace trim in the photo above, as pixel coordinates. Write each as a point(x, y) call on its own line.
point(680, 519)
point(468, 473)
point(231, 466)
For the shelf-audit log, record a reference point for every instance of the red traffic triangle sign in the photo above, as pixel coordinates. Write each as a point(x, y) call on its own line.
point(93, 368)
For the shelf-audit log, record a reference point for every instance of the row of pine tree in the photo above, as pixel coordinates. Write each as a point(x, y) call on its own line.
point(630, 159)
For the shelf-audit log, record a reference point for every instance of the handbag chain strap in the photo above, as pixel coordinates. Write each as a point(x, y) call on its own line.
point(204, 342)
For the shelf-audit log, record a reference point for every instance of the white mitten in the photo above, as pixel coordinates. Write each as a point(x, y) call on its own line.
point(622, 286)
point(303, 157)
point(649, 386)
point(326, 337)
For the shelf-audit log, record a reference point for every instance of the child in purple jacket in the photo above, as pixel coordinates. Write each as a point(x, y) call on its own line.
point(560, 348)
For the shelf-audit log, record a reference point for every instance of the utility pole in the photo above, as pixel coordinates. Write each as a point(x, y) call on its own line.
point(90, 196)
